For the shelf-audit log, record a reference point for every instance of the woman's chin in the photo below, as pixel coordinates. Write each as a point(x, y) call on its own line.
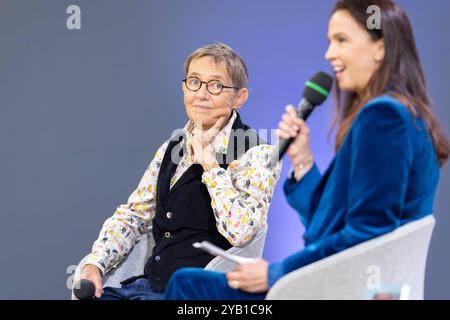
point(345, 86)
point(203, 121)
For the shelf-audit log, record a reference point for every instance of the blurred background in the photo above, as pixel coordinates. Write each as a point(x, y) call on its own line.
point(82, 113)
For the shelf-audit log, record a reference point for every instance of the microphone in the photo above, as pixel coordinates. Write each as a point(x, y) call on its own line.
point(315, 93)
point(84, 290)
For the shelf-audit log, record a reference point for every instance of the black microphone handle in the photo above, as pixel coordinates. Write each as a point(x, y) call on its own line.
point(303, 111)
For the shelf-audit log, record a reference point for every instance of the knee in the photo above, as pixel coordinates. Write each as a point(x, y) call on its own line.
point(179, 281)
point(183, 274)
point(196, 278)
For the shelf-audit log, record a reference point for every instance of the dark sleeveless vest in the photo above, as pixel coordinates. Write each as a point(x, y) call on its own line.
point(184, 214)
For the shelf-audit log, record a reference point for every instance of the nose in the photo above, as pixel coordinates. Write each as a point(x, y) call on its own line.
point(330, 55)
point(202, 92)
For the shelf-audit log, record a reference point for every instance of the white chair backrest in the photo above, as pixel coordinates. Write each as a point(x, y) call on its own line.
point(396, 258)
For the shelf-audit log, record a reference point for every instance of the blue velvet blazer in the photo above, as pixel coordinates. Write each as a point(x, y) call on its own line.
point(384, 175)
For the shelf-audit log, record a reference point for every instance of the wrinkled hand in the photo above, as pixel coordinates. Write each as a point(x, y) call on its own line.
point(93, 274)
point(250, 277)
point(200, 145)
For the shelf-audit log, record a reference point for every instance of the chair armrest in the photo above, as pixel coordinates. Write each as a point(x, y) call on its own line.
point(130, 266)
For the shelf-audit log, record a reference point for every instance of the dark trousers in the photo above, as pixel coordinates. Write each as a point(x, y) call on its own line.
point(137, 290)
point(200, 284)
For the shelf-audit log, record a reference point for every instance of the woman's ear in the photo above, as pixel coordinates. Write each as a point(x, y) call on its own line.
point(380, 51)
point(241, 98)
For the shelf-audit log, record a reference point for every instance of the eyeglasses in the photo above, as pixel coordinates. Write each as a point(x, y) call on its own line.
point(214, 86)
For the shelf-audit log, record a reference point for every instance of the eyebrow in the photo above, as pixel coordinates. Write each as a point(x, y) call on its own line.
point(336, 35)
point(215, 76)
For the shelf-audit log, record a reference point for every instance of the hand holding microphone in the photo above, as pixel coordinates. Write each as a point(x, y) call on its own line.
point(316, 91)
point(84, 290)
point(292, 127)
point(89, 286)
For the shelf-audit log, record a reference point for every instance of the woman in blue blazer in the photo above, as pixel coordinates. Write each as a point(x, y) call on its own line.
point(389, 147)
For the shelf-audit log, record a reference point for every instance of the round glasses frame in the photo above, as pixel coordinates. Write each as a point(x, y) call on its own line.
point(208, 84)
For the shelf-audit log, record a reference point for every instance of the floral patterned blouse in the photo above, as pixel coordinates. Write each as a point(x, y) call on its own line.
point(240, 199)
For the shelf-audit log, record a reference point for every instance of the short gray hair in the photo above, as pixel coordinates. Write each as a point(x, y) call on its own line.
point(221, 53)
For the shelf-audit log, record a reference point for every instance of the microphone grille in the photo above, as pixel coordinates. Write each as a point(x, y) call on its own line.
point(84, 289)
point(318, 88)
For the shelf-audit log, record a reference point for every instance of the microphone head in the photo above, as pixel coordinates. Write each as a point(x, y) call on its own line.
point(318, 88)
point(84, 290)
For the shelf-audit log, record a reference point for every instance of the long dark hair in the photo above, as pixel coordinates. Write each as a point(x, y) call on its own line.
point(400, 71)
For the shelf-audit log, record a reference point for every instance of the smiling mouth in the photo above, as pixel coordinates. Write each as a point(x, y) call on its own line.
point(202, 107)
point(339, 70)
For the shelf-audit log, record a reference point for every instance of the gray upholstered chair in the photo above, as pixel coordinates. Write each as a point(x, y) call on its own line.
point(133, 264)
point(399, 257)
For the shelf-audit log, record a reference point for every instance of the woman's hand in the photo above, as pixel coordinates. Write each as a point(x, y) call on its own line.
point(93, 274)
point(250, 277)
point(201, 145)
point(299, 151)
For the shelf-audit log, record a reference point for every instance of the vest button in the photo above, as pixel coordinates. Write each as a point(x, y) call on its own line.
point(169, 215)
point(167, 234)
point(157, 258)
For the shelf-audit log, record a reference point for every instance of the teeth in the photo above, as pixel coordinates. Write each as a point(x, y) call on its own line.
point(339, 69)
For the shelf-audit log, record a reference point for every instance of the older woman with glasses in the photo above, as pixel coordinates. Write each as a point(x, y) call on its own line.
point(206, 184)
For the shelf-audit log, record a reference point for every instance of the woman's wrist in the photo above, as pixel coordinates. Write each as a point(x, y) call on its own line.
point(91, 268)
point(302, 167)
